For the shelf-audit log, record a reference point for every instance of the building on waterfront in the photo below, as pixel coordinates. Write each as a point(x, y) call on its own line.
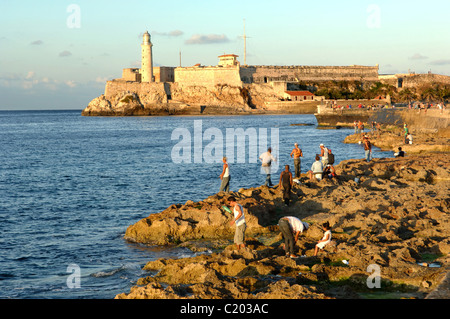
point(299, 96)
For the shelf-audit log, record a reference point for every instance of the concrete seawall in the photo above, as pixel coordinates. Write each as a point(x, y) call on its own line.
point(297, 107)
point(432, 119)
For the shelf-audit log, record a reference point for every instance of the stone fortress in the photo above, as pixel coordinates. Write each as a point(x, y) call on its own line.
point(228, 87)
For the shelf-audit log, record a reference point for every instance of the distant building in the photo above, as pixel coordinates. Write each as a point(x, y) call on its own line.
point(131, 75)
point(228, 60)
point(299, 96)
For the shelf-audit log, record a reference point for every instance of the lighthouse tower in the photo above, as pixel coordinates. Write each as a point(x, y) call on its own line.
point(147, 59)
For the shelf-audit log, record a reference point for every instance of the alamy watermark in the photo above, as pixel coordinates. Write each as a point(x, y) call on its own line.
point(73, 280)
point(373, 21)
point(74, 19)
point(239, 145)
point(374, 280)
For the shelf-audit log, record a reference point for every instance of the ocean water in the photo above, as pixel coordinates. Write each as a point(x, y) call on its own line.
point(71, 185)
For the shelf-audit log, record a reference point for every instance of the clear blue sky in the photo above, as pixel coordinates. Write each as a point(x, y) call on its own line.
point(56, 56)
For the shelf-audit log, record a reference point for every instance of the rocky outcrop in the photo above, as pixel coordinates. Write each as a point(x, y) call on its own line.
point(206, 219)
point(396, 217)
point(218, 95)
point(125, 103)
point(124, 98)
point(145, 99)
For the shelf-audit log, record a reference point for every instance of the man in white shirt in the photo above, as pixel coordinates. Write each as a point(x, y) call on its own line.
point(267, 159)
point(316, 170)
point(324, 154)
point(291, 227)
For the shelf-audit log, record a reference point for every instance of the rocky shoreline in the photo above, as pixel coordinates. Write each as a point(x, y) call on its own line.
point(396, 217)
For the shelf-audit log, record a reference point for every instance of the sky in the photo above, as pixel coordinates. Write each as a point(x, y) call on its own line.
point(59, 54)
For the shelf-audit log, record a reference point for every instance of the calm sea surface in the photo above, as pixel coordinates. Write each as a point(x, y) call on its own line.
point(71, 185)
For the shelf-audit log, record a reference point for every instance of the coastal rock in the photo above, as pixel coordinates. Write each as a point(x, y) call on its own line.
point(396, 218)
point(206, 219)
point(126, 103)
point(98, 106)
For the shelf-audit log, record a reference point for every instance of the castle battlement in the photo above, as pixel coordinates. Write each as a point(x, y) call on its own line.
point(230, 72)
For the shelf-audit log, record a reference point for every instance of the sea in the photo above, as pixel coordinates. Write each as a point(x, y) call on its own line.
point(71, 185)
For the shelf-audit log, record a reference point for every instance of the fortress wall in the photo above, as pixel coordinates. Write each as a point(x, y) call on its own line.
point(263, 74)
point(420, 79)
point(119, 86)
point(208, 76)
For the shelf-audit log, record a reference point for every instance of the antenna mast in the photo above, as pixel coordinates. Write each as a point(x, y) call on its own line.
point(245, 46)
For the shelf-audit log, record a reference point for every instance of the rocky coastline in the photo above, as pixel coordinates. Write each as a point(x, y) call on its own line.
point(390, 212)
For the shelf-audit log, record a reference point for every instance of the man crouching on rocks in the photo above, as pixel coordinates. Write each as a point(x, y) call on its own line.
point(291, 227)
point(239, 221)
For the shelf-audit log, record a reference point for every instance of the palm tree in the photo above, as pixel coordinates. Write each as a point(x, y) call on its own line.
point(406, 95)
point(429, 94)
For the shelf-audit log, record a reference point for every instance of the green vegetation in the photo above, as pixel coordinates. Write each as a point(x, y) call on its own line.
point(429, 258)
point(358, 90)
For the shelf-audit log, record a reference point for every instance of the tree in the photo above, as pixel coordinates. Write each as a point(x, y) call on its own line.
point(406, 95)
point(429, 94)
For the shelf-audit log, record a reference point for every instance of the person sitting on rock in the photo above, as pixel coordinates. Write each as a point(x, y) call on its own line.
point(329, 172)
point(400, 153)
point(316, 169)
point(290, 228)
point(326, 239)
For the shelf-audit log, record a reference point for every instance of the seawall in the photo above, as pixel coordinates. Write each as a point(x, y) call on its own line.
point(432, 119)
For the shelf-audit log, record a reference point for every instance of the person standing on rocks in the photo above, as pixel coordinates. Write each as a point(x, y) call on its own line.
point(324, 154)
point(267, 159)
point(405, 127)
point(367, 148)
point(239, 221)
point(290, 228)
point(286, 184)
point(225, 177)
point(297, 153)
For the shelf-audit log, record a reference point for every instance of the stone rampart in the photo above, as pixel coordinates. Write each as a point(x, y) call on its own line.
point(265, 74)
point(420, 79)
point(208, 76)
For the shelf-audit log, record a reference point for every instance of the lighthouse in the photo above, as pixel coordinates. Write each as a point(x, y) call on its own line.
point(147, 59)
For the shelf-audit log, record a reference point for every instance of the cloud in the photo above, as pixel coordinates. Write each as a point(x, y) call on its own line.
point(102, 80)
point(37, 42)
point(30, 81)
point(440, 62)
point(418, 56)
point(174, 33)
point(207, 39)
point(70, 83)
point(65, 53)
